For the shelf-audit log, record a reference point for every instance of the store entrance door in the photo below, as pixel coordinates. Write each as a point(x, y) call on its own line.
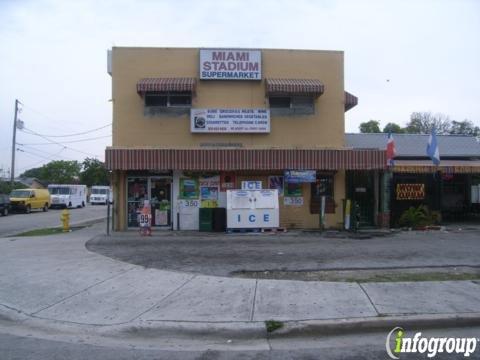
point(161, 202)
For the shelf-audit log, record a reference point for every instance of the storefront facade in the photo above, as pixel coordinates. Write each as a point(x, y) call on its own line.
point(189, 124)
point(451, 190)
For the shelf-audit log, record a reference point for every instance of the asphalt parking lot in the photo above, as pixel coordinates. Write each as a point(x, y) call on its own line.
point(224, 254)
point(16, 223)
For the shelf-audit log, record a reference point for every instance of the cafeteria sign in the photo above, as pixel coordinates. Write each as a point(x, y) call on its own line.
point(230, 120)
point(230, 64)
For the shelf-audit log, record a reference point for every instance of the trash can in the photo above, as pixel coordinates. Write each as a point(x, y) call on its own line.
point(206, 219)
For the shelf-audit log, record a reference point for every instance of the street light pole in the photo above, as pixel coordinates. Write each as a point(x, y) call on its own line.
point(14, 140)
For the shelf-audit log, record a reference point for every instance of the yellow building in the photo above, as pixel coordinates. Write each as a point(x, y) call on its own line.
point(189, 124)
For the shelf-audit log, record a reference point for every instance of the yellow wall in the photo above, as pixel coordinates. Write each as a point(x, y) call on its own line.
point(131, 128)
point(324, 129)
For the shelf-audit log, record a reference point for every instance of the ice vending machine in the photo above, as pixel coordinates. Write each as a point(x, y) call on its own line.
point(252, 209)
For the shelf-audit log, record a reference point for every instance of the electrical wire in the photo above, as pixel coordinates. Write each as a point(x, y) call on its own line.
point(71, 141)
point(31, 132)
point(76, 134)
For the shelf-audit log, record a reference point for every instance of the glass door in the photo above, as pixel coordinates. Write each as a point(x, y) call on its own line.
point(160, 199)
point(137, 192)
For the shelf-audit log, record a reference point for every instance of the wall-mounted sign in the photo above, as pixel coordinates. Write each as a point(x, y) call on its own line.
point(410, 191)
point(188, 188)
point(251, 185)
point(227, 181)
point(230, 120)
point(300, 176)
point(230, 64)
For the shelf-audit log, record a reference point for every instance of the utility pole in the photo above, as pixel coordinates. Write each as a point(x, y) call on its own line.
point(14, 143)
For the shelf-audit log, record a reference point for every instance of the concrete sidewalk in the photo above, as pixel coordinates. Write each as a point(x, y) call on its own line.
point(55, 280)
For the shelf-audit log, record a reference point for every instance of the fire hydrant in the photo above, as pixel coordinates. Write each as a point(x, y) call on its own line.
point(65, 219)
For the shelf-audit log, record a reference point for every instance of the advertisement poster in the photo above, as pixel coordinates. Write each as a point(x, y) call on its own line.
point(188, 188)
point(276, 182)
point(230, 64)
point(230, 120)
point(209, 193)
point(293, 189)
point(210, 181)
point(227, 181)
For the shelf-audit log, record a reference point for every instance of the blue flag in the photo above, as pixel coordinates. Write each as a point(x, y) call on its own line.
point(432, 148)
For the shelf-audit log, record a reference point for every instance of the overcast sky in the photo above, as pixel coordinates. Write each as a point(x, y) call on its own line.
point(400, 57)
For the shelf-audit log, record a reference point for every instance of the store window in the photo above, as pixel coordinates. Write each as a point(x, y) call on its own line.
point(292, 105)
point(168, 99)
point(322, 187)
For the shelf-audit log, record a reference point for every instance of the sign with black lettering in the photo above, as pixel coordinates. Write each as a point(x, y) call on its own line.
point(230, 64)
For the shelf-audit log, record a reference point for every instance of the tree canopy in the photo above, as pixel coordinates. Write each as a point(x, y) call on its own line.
point(372, 126)
point(423, 123)
point(94, 173)
point(90, 172)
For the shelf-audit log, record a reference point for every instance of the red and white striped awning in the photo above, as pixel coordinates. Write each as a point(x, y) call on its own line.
point(294, 87)
point(166, 84)
point(350, 101)
point(242, 159)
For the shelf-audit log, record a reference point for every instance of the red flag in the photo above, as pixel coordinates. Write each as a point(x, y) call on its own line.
point(391, 151)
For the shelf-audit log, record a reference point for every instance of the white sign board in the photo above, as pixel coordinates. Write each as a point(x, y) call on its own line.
point(189, 218)
point(230, 121)
point(251, 185)
point(230, 64)
point(252, 209)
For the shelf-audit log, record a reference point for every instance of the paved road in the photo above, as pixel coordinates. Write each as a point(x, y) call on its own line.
point(223, 254)
point(366, 345)
point(16, 223)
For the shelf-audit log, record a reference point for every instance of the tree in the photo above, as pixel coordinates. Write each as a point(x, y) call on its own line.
point(56, 172)
point(424, 122)
point(372, 126)
point(464, 127)
point(32, 173)
point(94, 173)
point(393, 128)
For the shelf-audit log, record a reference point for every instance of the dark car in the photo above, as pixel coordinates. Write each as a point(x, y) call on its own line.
point(4, 204)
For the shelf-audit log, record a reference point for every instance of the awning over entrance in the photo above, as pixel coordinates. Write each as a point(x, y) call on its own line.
point(294, 87)
point(166, 84)
point(243, 159)
point(350, 101)
point(446, 166)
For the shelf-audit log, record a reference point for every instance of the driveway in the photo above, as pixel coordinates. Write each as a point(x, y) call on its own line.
point(18, 222)
point(223, 254)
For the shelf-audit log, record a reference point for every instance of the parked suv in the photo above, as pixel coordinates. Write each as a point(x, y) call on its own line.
point(4, 204)
point(30, 199)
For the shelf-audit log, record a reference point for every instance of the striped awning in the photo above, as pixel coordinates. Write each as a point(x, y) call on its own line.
point(294, 87)
point(242, 159)
point(446, 166)
point(350, 101)
point(166, 84)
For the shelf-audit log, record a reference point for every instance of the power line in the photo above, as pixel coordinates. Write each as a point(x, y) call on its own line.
point(71, 141)
point(76, 134)
point(31, 132)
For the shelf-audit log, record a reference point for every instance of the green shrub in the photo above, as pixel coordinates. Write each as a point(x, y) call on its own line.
point(415, 217)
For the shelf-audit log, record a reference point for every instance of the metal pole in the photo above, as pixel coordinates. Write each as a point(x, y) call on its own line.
point(14, 141)
point(108, 216)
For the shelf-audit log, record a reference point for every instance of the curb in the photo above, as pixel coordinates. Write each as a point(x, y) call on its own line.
point(384, 323)
point(154, 330)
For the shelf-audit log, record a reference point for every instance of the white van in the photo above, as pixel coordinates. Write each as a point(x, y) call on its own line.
point(67, 196)
point(100, 195)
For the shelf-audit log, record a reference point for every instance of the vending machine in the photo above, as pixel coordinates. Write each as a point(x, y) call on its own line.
point(252, 209)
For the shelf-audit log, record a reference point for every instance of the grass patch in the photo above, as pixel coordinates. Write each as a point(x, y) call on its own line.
point(48, 231)
point(432, 276)
point(273, 325)
point(365, 276)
